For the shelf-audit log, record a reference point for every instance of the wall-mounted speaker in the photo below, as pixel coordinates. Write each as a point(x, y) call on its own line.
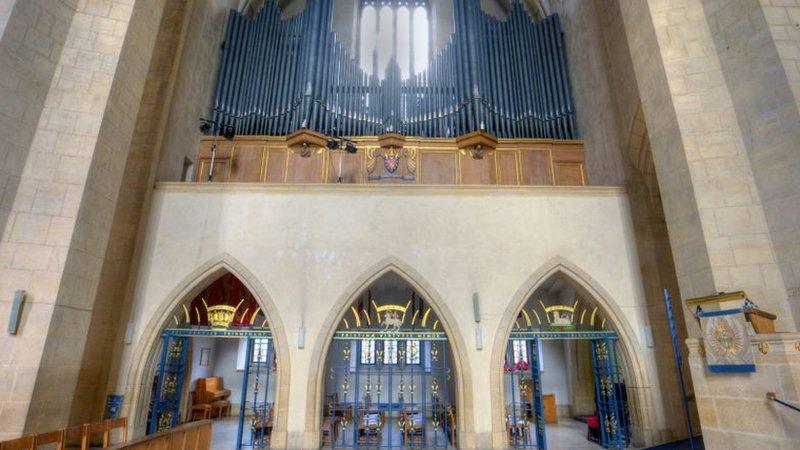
point(16, 311)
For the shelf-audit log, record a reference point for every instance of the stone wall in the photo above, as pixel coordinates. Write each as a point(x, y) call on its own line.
point(136, 181)
point(589, 78)
point(194, 86)
point(734, 410)
point(717, 225)
point(757, 68)
point(32, 35)
point(312, 247)
point(782, 18)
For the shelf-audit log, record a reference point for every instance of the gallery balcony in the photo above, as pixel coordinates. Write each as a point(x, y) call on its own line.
point(393, 159)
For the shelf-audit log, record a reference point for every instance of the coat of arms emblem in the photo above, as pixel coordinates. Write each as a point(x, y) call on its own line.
point(391, 160)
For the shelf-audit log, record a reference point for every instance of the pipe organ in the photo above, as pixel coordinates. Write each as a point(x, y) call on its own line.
point(508, 77)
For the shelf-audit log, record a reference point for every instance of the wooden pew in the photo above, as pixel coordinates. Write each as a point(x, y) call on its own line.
point(190, 436)
point(23, 443)
point(52, 437)
point(84, 437)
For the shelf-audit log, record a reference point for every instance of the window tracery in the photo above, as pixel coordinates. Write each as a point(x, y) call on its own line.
point(394, 30)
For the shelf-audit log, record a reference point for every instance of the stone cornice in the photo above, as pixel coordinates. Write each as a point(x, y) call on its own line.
point(769, 345)
point(392, 189)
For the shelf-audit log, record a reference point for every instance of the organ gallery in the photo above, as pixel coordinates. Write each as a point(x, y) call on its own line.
point(548, 224)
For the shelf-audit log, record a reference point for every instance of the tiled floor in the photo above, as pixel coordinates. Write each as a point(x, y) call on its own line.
point(568, 434)
point(223, 433)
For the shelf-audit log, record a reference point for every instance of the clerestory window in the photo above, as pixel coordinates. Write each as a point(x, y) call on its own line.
point(396, 29)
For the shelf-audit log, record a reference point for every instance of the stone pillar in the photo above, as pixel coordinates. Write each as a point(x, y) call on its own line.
point(60, 219)
point(734, 409)
point(714, 212)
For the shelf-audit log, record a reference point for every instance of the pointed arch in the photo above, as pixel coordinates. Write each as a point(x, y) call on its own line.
point(144, 358)
point(464, 401)
point(636, 370)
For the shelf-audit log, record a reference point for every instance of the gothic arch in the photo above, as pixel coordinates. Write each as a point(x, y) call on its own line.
point(635, 369)
point(144, 357)
point(466, 434)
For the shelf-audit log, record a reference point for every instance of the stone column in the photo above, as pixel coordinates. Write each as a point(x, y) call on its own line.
point(59, 223)
point(714, 212)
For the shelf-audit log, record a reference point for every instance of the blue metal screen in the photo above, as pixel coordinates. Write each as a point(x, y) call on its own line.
point(610, 395)
point(389, 400)
point(165, 411)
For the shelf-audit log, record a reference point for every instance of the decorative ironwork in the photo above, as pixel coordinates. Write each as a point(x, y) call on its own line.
point(602, 351)
point(221, 316)
point(606, 386)
point(611, 423)
point(390, 400)
point(170, 385)
point(176, 349)
point(165, 421)
point(346, 352)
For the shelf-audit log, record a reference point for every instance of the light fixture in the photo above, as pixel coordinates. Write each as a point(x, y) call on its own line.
point(215, 128)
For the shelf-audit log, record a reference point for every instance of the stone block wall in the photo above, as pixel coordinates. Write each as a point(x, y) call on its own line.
point(32, 36)
point(734, 410)
point(194, 86)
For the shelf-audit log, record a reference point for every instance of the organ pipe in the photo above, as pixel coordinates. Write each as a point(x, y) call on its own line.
point(508, 76)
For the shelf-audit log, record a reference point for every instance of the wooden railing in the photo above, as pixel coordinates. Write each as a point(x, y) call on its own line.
point(89, 435)
point(191, 436)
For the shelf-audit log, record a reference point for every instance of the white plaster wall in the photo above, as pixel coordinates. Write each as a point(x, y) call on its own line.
point(307, 244)
point(198, 371)
point(555, 379)
point(225, 367)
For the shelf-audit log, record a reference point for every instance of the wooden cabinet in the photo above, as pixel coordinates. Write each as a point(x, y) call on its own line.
point(550, 410)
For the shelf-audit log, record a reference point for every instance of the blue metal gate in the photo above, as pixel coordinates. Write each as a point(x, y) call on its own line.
point(610, 395)
point(524, 416)
point(389, 390)
point(165, 410)
point(256, 408)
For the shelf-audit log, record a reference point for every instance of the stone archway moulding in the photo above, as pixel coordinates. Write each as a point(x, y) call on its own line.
point(464, 401)
point(636, 369)
point(144, 357)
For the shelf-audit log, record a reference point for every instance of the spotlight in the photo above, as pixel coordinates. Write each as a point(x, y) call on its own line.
point(205, 127)
point(332, 144)
point(228, 132)
point(350, 147)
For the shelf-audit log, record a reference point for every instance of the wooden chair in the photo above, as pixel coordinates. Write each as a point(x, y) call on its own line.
point(453, 428)
point(113, 424)
point(52, 437)
point(23, 443)
point(74, 437)
point(209, 391)
point(413, 428)
point(198, 410)
point(95, 435)
point(369, 427)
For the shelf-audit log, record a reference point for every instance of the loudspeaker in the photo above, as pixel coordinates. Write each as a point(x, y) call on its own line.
point(16, 311)
point(476, 307)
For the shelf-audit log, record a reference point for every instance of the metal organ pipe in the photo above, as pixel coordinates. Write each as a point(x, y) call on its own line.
point(276, 75)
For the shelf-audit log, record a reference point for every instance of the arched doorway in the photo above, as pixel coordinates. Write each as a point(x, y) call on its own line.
point(563, 374)
point(389, 378)
point(216, 359)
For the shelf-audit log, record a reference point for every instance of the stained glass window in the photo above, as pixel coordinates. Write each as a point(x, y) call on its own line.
point(260, 348)
point(520, 351)
point(367, 351)
point(398, 30)
point(412, 352)
point(390, 352)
